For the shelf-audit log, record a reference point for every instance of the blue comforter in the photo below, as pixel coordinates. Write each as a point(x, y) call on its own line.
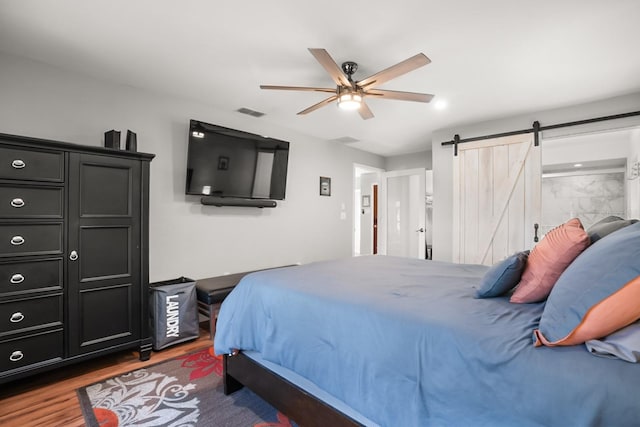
point(405, 343)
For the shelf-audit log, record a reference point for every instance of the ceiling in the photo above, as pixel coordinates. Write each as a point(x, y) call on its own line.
point(490, 59)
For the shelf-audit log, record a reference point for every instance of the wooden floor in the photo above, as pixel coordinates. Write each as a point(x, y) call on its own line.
point(50, 399)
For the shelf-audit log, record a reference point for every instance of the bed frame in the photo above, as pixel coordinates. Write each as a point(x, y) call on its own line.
point(305, 409)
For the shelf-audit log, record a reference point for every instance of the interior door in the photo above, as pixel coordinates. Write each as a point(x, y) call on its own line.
point(497, 193)
point(375, 219)
point(401, 223)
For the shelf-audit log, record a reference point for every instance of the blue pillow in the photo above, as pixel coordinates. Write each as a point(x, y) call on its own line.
point(503, 276)
point(602, 274)
point(623, 344)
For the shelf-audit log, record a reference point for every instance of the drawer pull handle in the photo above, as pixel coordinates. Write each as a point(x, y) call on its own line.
point(16, 355)
point(17, 240)
point(73, 255)
point(17, 202)
point(18, 164)
point(17, 317)
point(17, 278)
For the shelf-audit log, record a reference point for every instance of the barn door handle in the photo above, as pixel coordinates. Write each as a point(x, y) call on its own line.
point(535, 233)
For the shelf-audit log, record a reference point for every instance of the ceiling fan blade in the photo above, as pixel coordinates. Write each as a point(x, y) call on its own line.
point(394, 71)
point(319, 105)
point(401, 96)
point(323, 57)
point(300, 88)
point(365, 111)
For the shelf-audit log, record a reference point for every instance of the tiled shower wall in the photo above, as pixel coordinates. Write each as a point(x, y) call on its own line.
point(588, 197)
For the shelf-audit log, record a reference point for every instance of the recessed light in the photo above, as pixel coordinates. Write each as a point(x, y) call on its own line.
point(577, 165)
point(440, 104)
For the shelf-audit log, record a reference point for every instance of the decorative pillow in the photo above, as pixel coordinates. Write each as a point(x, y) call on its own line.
point(503, 276)
point(597, 294)
point(548, 260)
point(623, 344)
point(607, 226)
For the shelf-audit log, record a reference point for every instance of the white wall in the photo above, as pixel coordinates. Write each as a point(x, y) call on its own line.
point(586, 148)
point(442, 156)
point(187, 238)
point(408, 161)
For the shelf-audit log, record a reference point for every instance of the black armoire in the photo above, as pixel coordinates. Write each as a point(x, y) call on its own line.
point(73, 254)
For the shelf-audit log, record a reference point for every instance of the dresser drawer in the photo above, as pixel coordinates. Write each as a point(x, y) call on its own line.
point(20, 315)
point(29, 276)
point(31, 165)
point(31, 349)
point(30, 202)
point(30, 239)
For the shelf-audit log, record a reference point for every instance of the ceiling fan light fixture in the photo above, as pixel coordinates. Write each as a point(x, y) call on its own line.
point(349, 93)
point(349, 101)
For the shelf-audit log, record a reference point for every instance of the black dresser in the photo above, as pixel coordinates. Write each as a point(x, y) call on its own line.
point(73, 254)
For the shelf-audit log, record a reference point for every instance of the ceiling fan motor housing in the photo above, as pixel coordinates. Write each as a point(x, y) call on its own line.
point(349, 68)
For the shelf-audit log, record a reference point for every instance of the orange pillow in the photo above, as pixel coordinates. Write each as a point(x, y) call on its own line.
point(606, 317)
point(549, 259)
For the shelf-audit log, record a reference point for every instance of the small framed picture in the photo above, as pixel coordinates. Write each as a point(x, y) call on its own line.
point(325, 186)
point(223, 163)
point(366, 201)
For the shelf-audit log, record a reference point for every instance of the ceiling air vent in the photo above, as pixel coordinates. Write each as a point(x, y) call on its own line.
point(250, 112)
point(346, 140)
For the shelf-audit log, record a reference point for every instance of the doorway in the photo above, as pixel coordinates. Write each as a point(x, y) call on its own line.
point(366, 180)
point(590, 176)
point(389, 212)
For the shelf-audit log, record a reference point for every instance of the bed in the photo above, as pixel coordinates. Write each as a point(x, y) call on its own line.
point(394, 341)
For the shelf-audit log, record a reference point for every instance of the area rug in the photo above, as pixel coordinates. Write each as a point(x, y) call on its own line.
point(181, 392)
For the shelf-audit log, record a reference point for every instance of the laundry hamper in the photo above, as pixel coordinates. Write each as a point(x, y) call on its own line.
point(173, 310)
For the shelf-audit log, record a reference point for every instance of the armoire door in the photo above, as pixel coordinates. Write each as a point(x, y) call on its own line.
point(497, 198)
point(103, 252)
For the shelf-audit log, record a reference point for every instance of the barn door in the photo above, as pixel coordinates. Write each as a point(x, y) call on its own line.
point(496, 198)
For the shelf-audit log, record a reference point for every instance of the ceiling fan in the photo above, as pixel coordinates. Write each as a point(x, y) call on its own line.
point(350, 94)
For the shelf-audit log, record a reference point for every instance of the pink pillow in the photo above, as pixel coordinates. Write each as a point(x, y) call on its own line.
point(549, 259)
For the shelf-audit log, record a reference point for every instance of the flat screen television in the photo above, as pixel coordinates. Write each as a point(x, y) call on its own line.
point(225, 162)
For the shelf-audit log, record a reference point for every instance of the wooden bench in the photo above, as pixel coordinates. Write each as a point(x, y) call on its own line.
point(212, 291)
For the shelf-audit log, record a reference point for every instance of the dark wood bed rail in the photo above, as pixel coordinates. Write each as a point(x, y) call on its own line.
point(303, 408)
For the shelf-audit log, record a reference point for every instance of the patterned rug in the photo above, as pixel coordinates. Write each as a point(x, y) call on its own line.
point(181, 392)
